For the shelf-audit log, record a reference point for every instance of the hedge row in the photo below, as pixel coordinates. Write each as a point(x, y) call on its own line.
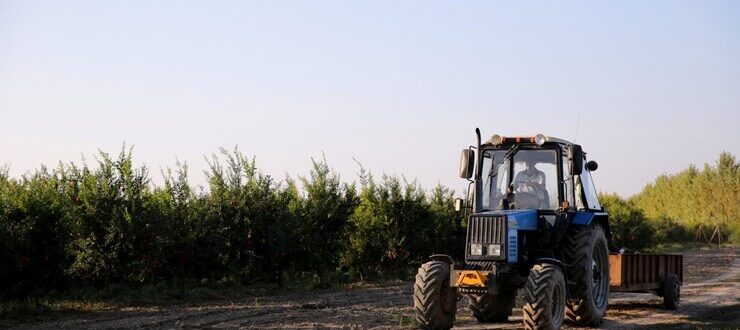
point(108, 224)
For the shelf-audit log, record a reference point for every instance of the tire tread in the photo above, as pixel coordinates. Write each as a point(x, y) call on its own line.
point(536, 309)
point(427, 290)
point(578, 257)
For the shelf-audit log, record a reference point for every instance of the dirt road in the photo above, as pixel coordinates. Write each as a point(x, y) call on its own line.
point(710, 299)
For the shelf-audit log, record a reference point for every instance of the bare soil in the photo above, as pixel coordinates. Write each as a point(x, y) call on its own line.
point(710, 298)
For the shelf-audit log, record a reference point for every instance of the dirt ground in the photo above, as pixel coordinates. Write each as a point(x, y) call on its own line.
point(710, 299)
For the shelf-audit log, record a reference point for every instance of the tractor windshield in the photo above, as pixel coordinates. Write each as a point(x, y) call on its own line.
point(526, 178)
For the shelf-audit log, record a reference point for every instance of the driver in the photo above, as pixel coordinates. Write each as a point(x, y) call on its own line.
point(531, 181)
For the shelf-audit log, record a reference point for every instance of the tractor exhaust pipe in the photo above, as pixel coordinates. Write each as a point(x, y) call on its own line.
point(476, 177)
point(477, 151)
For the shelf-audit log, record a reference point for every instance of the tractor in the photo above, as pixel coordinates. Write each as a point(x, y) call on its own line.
point(534, 222)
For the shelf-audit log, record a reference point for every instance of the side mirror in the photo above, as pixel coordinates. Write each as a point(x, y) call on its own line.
point(459, 204)
point(467, 162)
point(591, 166)
point(575, 156)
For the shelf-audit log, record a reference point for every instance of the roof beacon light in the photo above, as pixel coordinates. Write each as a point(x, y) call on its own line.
point(540, 139)
point(496, 139)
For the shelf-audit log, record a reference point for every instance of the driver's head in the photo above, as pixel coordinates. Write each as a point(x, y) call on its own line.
point(529, 163)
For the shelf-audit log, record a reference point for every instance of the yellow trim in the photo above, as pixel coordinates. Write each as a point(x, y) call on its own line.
point(471, 278)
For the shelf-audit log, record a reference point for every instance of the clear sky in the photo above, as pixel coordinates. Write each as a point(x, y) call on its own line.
point(398, 85)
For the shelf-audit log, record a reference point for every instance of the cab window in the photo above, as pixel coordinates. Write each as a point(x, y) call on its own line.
point(493, 173)
point(535, 181)
point(589, 190)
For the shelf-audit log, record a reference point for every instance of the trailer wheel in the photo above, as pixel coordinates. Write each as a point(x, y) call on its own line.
point(544, 298)
point(492, 308)
point(587, 255)
point(434, 300)
point(671, 291)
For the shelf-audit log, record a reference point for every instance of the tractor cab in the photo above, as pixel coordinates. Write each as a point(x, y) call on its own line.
point(519, 177)
point(530, 173)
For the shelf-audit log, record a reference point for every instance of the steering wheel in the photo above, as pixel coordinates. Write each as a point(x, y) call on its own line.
point(527, 198)
point(522, 184)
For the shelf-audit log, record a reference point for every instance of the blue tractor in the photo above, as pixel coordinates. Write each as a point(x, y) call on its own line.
point(534, 223)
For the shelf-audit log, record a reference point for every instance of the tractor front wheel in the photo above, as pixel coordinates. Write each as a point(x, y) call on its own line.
point(544, 298)
point(435, 301)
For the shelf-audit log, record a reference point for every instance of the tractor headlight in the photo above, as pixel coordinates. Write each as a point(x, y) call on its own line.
point(497, 139)
point(494, 250)
point(540, 139)
point(476, 249)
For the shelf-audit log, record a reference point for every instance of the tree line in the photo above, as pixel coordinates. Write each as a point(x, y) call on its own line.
point(96, 226)
point(675, 206)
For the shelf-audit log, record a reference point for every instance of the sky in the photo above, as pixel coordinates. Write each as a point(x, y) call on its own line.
point(646, 87)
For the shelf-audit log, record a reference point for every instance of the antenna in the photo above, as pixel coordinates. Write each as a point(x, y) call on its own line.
point(578, 125)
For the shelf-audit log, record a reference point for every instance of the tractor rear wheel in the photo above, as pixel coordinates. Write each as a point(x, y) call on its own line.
point(671, 291)
point(544, 298)
point(587, 256)
point(435, 301)
point(492, 308)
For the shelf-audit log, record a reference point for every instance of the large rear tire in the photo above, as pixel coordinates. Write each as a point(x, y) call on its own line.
point(492, 308)
point(434, 300)
point(587, 255)
point(544, 298)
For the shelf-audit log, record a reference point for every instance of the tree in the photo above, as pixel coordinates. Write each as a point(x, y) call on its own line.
point(629, 225)
point(323, 218)
point(695, 198)
point(33, 235)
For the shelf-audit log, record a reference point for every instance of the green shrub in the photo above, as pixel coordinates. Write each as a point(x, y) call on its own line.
point(668, 230)
point(108, 219)
point(396, 227)
point(323, 215)
point(630, 228)
point(250, 213)
point(448, 233)
point(33, 234)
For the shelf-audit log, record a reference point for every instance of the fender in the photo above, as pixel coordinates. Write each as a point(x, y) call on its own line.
point(586, 218)
point(551, 261)
point(443, 258)
point(450, 262)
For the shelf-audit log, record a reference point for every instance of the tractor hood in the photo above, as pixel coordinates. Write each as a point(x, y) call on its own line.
point(516, 219)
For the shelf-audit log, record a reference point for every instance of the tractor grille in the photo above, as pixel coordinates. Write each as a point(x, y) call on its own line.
point(486, 230)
